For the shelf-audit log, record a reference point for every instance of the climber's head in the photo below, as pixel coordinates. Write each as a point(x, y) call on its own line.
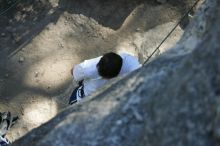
point(109, 65)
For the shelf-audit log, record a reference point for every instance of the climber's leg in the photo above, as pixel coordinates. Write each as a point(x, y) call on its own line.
point(77, 94)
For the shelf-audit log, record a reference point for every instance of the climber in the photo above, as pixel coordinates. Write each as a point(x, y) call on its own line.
point(6, 122)
point(94, 73)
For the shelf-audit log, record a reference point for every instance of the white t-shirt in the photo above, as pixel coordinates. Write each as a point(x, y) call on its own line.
point(87, 71)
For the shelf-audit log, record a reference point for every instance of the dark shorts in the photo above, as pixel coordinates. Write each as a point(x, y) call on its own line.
point(4, 141)
point(77, 93)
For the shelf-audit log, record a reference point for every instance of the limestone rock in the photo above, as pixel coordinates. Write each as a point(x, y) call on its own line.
point(3, 34)
point(21, 59)
point(162, 1)
point(171, 101)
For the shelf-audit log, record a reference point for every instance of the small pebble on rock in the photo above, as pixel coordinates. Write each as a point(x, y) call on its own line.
point(119, 122)
point(36, 74)
point(61, 45)
point(162, 1)
point(6, 75)
point(138, 29)
point(3, 34)
point(21, 59)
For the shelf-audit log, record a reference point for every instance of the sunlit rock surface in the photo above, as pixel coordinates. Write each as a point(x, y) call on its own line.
point(172, 101)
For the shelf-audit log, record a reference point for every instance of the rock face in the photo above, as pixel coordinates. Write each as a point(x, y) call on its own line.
point(172, 101)
point(42, 40)
point(162, 1)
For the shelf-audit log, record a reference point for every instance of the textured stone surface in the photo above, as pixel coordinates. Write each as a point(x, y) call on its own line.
point(162, 1)
point(51, 36)
point(172, 101)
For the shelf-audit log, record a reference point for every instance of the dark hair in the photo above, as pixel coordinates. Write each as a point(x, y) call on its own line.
point(109, 65)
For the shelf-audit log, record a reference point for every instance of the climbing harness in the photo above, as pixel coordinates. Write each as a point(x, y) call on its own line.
point(4, 141)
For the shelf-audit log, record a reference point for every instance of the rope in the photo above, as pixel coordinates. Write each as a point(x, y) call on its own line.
point(158, 47)
point(6, 10)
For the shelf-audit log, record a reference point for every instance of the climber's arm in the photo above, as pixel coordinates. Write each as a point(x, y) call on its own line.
point(86, 70)
point(78, 72)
